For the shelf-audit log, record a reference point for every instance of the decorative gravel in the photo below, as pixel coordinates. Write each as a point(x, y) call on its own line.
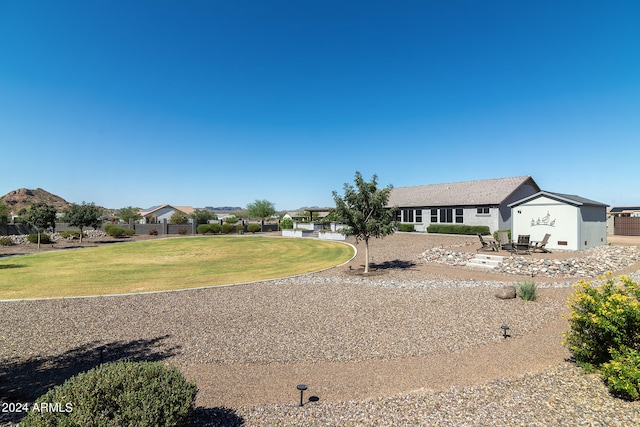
point(335, 319)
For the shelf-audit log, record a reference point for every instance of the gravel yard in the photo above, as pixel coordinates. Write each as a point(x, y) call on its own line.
point(413, 343)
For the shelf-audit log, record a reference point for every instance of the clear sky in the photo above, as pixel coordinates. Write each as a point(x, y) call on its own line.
point(213, 103)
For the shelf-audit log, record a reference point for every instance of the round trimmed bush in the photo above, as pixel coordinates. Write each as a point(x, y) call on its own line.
point(129, 232)
point(143, 394)
point(115, 231)
point(254, 228)
point(227, 228)
point(215, 228)
point(44, 238)
point(203, 229)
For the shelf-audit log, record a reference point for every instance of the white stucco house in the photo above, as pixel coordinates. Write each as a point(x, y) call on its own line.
point(574, 223)
point(157, 214)
point(481, 202)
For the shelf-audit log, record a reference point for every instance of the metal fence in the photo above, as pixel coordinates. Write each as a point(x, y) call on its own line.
point(626, 226)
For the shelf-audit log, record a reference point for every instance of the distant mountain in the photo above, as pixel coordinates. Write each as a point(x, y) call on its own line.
point(223, 209)
point(23, 197)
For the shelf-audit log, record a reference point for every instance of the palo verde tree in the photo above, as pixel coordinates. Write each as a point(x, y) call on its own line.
point(129, 213)
point(203, 216)
point(40, 216)
point(364, 211)
point(261, 209)
point(84, 215)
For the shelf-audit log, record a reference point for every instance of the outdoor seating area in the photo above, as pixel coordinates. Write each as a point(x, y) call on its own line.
point(523, 246)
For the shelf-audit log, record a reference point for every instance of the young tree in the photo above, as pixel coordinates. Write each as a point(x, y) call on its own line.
point(4, 213)
point(203, 216)
point(84, 215)
point(41, 216)
point(129, 213)
point(178, 217)
point(364, 211)
point(261, 209)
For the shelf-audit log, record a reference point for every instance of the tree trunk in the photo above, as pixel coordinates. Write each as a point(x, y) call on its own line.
point(366, 256)
point(38, 239)
point(80, 235)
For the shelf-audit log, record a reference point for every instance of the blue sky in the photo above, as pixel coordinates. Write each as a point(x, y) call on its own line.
point(225, 102)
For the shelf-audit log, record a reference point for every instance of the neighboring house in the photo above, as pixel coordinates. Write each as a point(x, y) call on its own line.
point(481, 202)
point(624, 220)
point(157, 214)
point(574, 223)
point(303, 215)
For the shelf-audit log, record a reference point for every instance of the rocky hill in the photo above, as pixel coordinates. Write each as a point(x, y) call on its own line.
point(18, 199)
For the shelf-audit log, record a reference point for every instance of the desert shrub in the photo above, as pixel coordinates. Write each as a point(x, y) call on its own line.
point(182, 231)
point(44, 238)
point(215, 228)
point(604, 319)
point(107, 227)
point(153, 232)
point(459, 229)
point(203, 229)
point(120, 394)
point(227, 228)
point(240, 228)
point(254, 228)
point(286, 223)
point(115, 231)
point(528, 291)
point(622, 373)
point(495, 234)
point(6, 241)
point(129, 232)
point(406, 227)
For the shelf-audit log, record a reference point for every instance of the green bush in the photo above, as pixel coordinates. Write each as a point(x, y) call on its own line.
point(115, 231)
point(240, 228)
point(129, 232)
point(622, 373)
point(495, 234)
point(406, 227)
point(203, 229)
point(459, 229)
point(143, 394)
point(44, 238)
point(603, 318)
point(528, 291)
point(286, 223)
point(6, 241)
point(227, 228)
point(215, 228)
point(254, 228)
point(107, 227)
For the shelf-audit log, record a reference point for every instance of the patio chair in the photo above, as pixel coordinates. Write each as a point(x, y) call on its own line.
point(540, 246)
point(504, 242)
point(487, 246)
point(522, 247)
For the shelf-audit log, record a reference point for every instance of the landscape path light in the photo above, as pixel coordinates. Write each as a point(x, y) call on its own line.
point(302, 388)
point(505, 328)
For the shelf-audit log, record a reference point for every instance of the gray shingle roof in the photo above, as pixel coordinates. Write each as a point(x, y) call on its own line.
point(569, 198)
point(467, 193)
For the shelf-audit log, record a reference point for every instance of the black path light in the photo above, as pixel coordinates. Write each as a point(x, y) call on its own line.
point(302, 388)
point(505, 330)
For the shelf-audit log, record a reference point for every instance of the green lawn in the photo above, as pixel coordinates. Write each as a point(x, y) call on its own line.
point(165, 264)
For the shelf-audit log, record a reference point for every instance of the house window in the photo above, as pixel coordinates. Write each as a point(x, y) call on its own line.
point(446, 215)
point(434, 215)
point(408, 215)
point(459, 216)
point(482, 211)
point(398, 215)
point(418, 215)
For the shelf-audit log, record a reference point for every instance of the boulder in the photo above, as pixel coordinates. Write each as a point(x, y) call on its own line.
point(506, 292)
